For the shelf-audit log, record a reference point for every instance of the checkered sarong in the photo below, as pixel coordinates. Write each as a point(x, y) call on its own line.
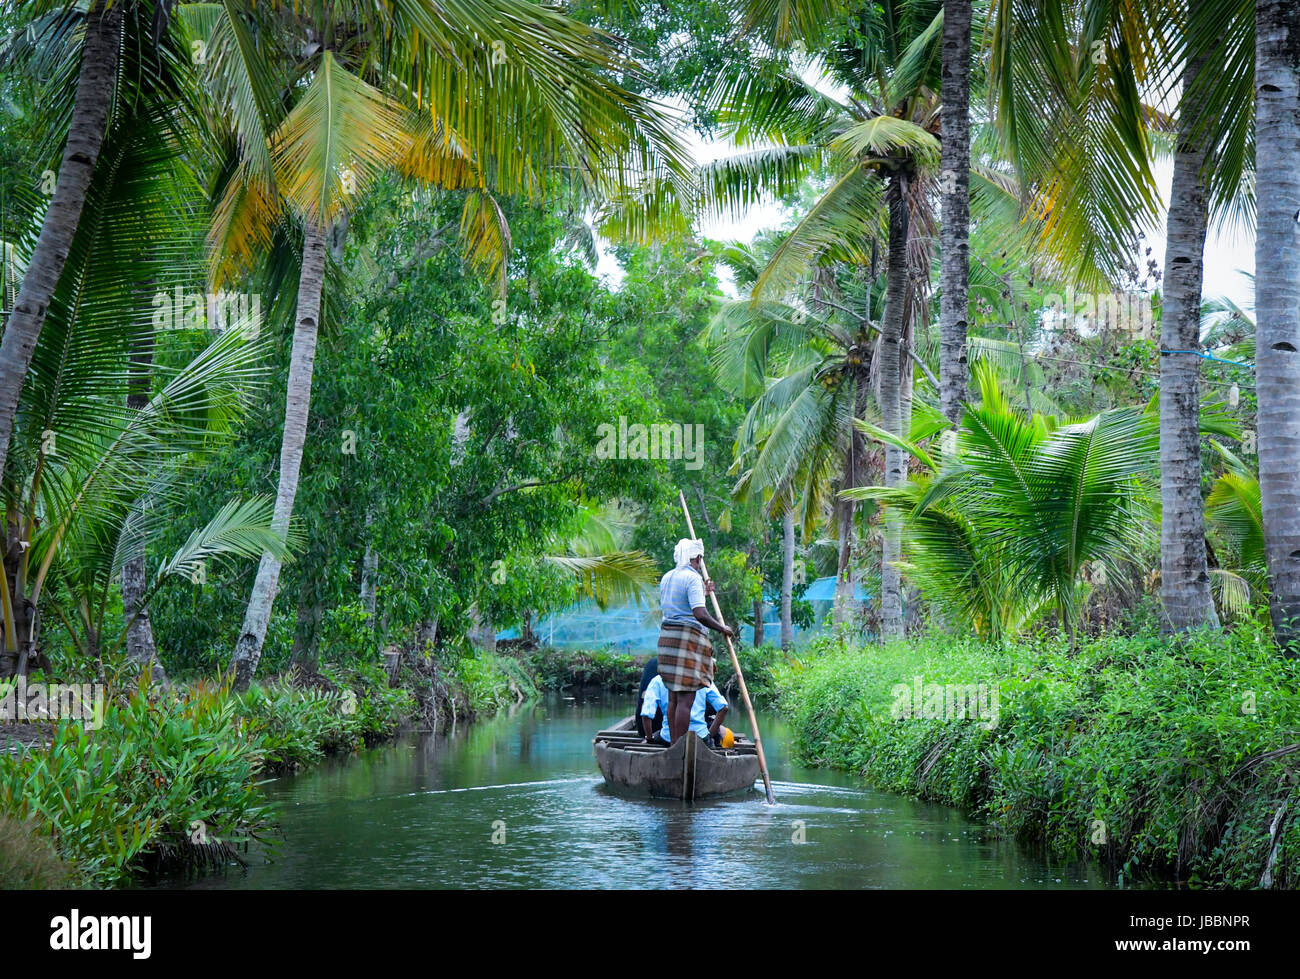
point(685, 657)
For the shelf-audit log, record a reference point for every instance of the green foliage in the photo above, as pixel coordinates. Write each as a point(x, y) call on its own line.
point(1162, 758)
point(738, 585)
point(759, 664)
point(1004, 522)
point(296, 727)
point(135, 792)
point(556, 668)
point(1235, 523)
point(28, 860)
point(488, 682)
point(141, 781)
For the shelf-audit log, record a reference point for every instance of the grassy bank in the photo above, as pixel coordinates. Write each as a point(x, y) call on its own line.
point(1165, 761)
point(170, 780)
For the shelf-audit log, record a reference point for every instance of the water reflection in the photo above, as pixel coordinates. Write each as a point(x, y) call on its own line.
point(425, 813)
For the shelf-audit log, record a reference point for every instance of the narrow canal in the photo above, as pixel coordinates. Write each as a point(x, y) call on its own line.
point(517, 802)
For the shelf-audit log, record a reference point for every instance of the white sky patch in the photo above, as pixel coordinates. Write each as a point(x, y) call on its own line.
point(1228, 253)
point(767, 213)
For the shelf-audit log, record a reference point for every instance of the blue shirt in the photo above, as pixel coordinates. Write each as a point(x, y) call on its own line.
point(709, 697)
point(681, 592)
point(656, 697)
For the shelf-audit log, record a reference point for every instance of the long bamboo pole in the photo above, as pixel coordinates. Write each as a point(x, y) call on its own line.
point(735, 662)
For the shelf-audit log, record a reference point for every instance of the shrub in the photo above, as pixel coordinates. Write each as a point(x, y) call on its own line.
point(485, 682)
point(151, 775)
point(1161, 757)
point(556, 668)
point(758, 664)
point(28, 860)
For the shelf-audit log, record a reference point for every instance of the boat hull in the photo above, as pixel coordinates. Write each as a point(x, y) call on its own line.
point(688, 769)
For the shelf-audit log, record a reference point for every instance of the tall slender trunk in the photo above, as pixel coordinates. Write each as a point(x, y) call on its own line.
point(854, 465)
point(954, 229)
point(95, 87)
point(759, 637)
point(306, 633)
point(482, 632)
point(369, 580)
point(787, 578)
point(426, 636)
point(369, 573)
point(302, 358)
point(891, 407)
point(1277, 304)
point(141, 649)
point(1184, 576)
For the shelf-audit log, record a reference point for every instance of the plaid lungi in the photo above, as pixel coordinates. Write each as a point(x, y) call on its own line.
point(685, 657)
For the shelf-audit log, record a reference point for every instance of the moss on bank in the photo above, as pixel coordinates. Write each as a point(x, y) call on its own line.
point(1164, 760)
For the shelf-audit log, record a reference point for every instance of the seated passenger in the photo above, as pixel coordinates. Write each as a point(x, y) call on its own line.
point(650, 671)
point(654, 711)
point(706, 700)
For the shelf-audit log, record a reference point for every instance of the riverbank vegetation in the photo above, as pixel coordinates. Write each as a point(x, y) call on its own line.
point(1164, 760)
point(170, 780)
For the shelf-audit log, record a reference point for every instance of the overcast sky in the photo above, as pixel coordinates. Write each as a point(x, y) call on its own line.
point(1227, 253)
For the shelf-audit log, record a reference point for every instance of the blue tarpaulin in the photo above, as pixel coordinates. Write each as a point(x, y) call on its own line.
point(635, 628)
point(823, 590)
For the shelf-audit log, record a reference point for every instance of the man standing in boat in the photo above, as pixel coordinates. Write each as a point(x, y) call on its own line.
point(685, 652)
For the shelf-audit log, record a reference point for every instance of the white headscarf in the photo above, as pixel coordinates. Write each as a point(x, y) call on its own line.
point(686, 550)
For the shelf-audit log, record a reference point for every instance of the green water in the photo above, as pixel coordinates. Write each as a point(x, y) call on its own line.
point(424, 814)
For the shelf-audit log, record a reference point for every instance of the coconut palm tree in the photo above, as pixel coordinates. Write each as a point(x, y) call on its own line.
point(1077, 99)
point(122, 67)
point(485, 99)
point(1277, 305)
point(880, 144)
point(95, 89)
point(1003, 525)
point(954, 225)
point(807, 378)
point(1184, 573)
point(747, 263)
point(92, 473)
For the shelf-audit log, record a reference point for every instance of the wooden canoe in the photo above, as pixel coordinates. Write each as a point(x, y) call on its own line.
point(689, 769)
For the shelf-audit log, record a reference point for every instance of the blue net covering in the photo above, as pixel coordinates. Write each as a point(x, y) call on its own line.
point(635, 628)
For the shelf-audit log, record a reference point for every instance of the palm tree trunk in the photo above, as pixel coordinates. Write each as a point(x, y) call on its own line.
point(954, 229)
point(1184, 577)
point(891, 397)
point(1277, 304)
point(95, 87)
point(854, 464)
point(787, 578)
point(759, 637)
point(141, 649)
point(302, 358)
